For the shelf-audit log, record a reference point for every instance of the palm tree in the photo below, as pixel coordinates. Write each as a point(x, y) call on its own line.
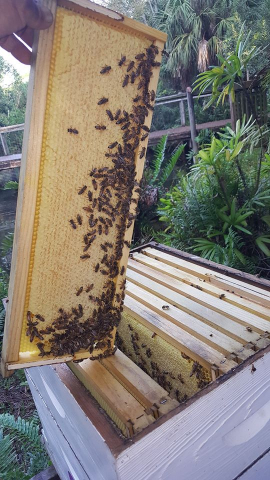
point(195, 30)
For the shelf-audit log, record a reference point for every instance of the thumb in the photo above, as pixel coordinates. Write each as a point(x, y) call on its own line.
point(37, 16)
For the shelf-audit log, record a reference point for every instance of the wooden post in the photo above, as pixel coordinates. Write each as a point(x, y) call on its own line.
point(233, 113)
point(182, 113)
point(192, 122)
point(4, 144)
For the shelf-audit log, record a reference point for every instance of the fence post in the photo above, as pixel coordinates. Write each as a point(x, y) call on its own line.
point(192, 122)
point(182, 113)
point(4, 144)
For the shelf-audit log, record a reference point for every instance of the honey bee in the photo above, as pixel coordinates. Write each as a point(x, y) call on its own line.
point(100, 229)
point(97, 267)
point(79, 219)
point(140, 56)
point(100, 127)
point(72, 223)
point(79, 291)
point(125, 81)
point(89, 288)
point(105, 69)
point(145, 128)
point(108, 244)
point(164, 53)
point(133, 77)
point(102, 101)
point(249, 329)
point(82, 190)
point(142, 153)
point(165, 307)
point(153, 335)
point(124, 127)
point(40, 346)
point(130, 66)
point(104, 248)
point(155, 64)
point(117, 114)
point(112, 145)
point(152, 95)
point(88, 209)
point(94, 184)
point(122, 60)
point(144, 136)
point(122, 271)
point(39, 317)
point(106, 229)
point(84, 257)
point(104, 272)
point(90, 196)
point(110, 115)
point(73, 130)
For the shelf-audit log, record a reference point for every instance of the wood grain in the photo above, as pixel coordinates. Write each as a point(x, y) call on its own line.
point(27, 194)
point(47, 271)
point(217, 436)
point(185, 342)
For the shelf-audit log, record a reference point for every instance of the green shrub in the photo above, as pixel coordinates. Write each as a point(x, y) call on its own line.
point(221, 209)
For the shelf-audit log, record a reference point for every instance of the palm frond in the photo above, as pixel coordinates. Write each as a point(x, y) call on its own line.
point(159, 157)
point(171, 164)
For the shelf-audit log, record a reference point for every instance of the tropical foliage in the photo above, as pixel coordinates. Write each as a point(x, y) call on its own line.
point(218, 210)
point(158, 176)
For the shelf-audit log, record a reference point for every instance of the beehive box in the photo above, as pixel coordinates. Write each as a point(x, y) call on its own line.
point(90, 103)
point(199, 330)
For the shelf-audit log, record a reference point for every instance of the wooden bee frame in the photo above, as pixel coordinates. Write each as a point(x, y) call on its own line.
point(54, 265)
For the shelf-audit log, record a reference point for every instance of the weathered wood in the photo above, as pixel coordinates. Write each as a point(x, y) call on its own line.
point(183, 133)
point(192, 122)
point(175, 293)
point(139, 384)
point(182, 113)
point(27, 194)
point(199, 284)
point(182, 314)
point(230, 423)
point(128, 414)
point(48, 474)
point(177, 336)
point(256, 292)
point(4, 144)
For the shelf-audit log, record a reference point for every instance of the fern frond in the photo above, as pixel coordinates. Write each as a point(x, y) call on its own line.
point(24, 429)
point(7, 456)
point(171, 164)
point(159, 157)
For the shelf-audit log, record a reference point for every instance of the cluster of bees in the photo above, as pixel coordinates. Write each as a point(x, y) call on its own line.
point(140, 352)
point(108, 195)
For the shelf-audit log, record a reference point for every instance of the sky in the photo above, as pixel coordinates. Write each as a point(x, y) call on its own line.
point(22, 69)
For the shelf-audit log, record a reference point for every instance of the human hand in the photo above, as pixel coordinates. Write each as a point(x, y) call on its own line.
point(21, 17)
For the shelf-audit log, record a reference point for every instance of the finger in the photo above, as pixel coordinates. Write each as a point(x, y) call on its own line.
point(16, 48)
point(27, 35)
point(36, 16)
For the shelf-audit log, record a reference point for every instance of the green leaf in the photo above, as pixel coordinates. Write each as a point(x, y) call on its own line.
point(159, 157)
point(170, 165)
point(11, 185)
point(243, 229)
point(260, 243)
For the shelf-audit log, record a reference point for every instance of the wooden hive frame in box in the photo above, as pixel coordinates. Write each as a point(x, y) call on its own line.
point(215, 326)
point(90, 103)
point(181, 329)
